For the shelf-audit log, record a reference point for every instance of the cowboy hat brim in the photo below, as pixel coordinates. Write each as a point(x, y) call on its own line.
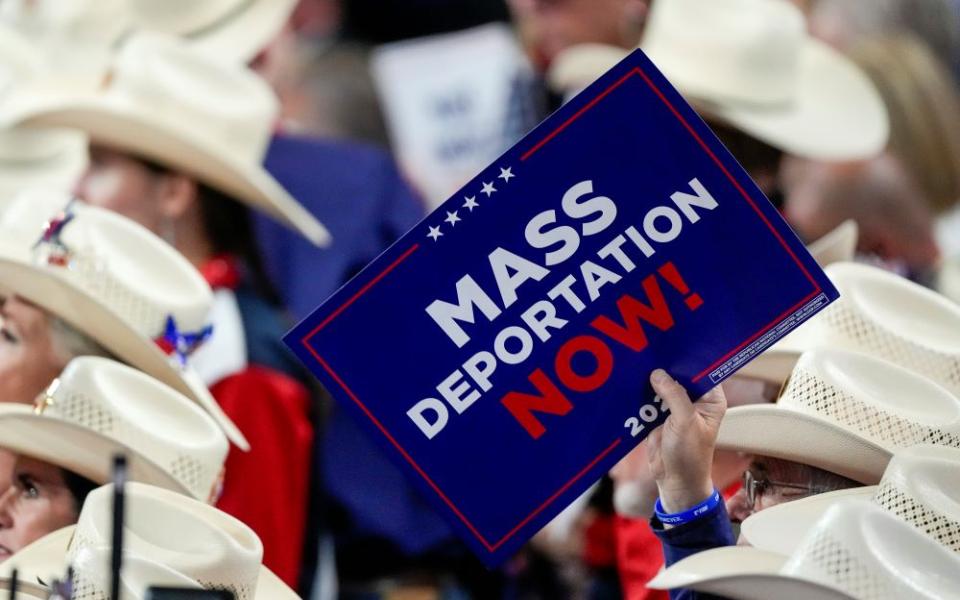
point(781, 528)
point(741, 573)
point(55, 294)
point(776, 363)
point(45, 558)
point(25, 590)
point(245, 33)
point(79, 449)
point(31, 158)
point(835, 114)
point(948, 279)
point(773, 364)
point(127, 127)
point(839, 245)
point(771, 430)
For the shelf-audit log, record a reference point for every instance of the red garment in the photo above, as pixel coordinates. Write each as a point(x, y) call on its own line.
point(639, 558)
point(640, 555)
point(267, 488)
point(600, 547)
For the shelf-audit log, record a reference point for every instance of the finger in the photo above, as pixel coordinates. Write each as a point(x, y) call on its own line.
point(713, 405)
point(653, 447)
point(672, 394)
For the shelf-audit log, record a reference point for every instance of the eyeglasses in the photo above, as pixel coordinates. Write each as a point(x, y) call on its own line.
point(755, 487)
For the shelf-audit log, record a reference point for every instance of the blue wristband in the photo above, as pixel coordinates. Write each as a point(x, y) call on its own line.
point(691, 514)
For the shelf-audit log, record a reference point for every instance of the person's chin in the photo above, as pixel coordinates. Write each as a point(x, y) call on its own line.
point(5, 553)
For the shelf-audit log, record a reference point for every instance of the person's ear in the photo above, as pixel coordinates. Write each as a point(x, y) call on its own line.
point(176, 195)
point(637, 10)
point(634, 19)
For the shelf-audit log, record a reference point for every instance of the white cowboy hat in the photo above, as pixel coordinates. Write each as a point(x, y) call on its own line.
point(169, 539)
point(51, 159)
point(184, 110)
point(856, 551)
point(880, 314)
point(235, 30)
point(948, 279)
point(115, 282)
point(72, 38)
point(33, 157)
point(98, 408)
point(846, 413)
point(752, 64)
point(25, 590)
point(839, 245)
point(920, 486)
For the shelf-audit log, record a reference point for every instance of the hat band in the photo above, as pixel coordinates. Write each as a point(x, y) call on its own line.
point(811, 394)
point(943, 529)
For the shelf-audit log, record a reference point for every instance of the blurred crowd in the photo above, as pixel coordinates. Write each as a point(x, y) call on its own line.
point(182, 180)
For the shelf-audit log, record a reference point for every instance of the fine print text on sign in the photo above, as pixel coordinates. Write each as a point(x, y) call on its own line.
point(501, 349)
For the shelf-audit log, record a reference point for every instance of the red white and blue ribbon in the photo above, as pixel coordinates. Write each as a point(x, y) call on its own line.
point(58, 253)
point(180, 343)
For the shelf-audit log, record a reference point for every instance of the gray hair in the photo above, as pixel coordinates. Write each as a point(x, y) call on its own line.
point(793, 472)
point(69, 342)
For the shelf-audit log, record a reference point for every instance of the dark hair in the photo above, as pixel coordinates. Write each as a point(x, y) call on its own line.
point(753, 154)
point(229, 227)
point(79, 487)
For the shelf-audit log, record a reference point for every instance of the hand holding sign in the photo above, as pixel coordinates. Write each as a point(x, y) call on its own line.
point(500, 350)
point(681, 451)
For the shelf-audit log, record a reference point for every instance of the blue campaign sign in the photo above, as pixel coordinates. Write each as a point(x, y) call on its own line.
point(501, 350)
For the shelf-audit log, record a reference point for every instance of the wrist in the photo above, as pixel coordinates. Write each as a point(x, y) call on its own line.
point(680, 497)
point(694, 513)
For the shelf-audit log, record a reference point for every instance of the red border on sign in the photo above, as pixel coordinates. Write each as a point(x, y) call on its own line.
point(493, 547)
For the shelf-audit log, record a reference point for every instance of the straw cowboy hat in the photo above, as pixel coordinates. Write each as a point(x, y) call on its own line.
point(73, 38)
point(235, 30)
point(839, 245)
point(52, 159)
point(25, 591)
point(846, 413)
point(948, 279)
point(920, 486)
point(33, 157)
point(115, 282)
point(856, 551)
point(751, 63)
point(881, 314)
point(169, 540)
point(175, 106)
point(98, 408)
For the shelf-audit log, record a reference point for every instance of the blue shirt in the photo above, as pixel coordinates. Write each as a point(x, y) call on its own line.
point(710, 530)
point(357, 192)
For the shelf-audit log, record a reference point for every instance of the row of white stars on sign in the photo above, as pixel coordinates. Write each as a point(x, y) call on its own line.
point(470, 203)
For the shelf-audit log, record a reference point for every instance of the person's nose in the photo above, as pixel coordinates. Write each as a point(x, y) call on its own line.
point(7, 501)
point(738, 507)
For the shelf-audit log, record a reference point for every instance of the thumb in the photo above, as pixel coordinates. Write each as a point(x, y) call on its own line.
point(672, 394)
